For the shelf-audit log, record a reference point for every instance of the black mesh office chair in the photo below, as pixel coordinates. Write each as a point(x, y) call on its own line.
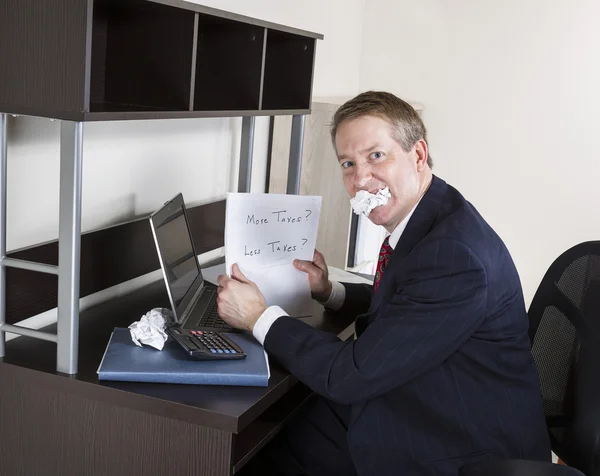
point(564, 330)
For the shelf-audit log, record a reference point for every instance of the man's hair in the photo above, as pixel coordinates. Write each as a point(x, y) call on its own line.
point(407, 124)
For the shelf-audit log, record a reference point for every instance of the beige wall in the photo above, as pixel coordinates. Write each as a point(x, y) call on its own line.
point(511, 99)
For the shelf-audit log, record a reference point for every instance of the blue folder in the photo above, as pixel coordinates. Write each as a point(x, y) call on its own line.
point(125, 361)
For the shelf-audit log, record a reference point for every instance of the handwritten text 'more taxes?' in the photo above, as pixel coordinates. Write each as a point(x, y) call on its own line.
point(280, 216)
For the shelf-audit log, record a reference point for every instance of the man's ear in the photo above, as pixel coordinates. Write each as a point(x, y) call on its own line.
point(422, 152)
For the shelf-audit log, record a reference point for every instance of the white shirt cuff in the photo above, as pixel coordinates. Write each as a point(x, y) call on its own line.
point(265, 321)
point(272, 313)
point(337, 296)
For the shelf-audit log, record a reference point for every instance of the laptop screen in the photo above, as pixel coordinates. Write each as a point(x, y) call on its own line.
point(179, 261)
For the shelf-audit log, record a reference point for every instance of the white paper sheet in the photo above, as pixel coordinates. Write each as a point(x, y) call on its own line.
point(264, 233)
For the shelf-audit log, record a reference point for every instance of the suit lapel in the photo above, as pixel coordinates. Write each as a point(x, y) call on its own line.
point(418, 226)
point(422, 220)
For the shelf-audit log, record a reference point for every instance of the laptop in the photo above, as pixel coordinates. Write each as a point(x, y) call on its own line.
point(193, 300)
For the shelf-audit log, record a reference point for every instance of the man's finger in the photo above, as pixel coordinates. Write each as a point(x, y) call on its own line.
point(305, 266)
point(222, 279)
point(237, 274)
point(319, 260)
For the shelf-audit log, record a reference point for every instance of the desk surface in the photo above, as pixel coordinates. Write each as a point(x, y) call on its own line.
point(78, 424)
point(226, 408)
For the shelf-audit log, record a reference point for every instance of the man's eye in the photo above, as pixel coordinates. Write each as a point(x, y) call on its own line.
point(347, 164)
point(376, 155)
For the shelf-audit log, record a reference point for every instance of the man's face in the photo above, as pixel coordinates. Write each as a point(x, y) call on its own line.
point(372, 159)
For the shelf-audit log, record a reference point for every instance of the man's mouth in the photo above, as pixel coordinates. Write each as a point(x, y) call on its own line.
point(364, 202)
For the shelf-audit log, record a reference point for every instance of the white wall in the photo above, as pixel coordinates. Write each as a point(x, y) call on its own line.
point(511, 98)
point(129, 169)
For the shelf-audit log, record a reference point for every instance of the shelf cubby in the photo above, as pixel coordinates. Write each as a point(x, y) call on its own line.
point(141, 57)
point(228, 65)
point(288, 71)
point(112, 60)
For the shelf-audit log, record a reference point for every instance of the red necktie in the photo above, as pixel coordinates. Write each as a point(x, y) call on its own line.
point(384, 257)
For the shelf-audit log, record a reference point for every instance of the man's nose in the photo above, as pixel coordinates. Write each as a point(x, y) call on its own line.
point(363, 176)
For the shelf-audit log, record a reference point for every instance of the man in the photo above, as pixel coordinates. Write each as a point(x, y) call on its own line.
point(440, 373)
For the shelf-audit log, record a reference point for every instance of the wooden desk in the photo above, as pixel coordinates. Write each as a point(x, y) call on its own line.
point(53, 424)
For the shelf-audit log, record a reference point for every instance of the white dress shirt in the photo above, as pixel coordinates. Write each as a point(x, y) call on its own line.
point(336, 298)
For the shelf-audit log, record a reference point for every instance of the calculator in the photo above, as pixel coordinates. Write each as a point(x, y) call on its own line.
point(207, 345)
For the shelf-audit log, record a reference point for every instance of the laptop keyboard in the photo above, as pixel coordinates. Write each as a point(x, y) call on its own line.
point(212, 319)
point(205, 312)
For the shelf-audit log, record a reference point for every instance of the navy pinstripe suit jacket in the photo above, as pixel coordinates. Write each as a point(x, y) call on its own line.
point(441, 373)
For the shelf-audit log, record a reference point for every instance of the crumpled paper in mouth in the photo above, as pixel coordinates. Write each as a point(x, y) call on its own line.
point(364, 202)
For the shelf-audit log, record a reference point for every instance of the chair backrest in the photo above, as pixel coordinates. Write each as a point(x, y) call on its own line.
point(565, 312)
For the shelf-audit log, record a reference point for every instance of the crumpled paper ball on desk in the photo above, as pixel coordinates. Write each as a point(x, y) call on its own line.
point(150, 329)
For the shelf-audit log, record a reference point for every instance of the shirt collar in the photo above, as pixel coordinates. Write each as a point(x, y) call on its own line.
point(397, 233)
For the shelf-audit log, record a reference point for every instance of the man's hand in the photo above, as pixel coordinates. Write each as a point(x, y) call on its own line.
point(240, 301)
point(318, 276)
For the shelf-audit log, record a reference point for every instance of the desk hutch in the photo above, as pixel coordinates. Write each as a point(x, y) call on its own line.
point(109, 60)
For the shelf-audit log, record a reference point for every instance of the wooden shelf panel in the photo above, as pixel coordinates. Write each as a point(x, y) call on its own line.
point(288, 71)
point(239, 18)
point(141, 56)
point(228, 65)
point(131, 115)
point(42, 55)
point(264, 428)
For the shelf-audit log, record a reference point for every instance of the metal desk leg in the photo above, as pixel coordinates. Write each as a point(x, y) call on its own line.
point(3, 182)
point(246, 151)
point(295, 163)
point(69, 244)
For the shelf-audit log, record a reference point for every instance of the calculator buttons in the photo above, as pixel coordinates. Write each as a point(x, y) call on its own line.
point(213, 343)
